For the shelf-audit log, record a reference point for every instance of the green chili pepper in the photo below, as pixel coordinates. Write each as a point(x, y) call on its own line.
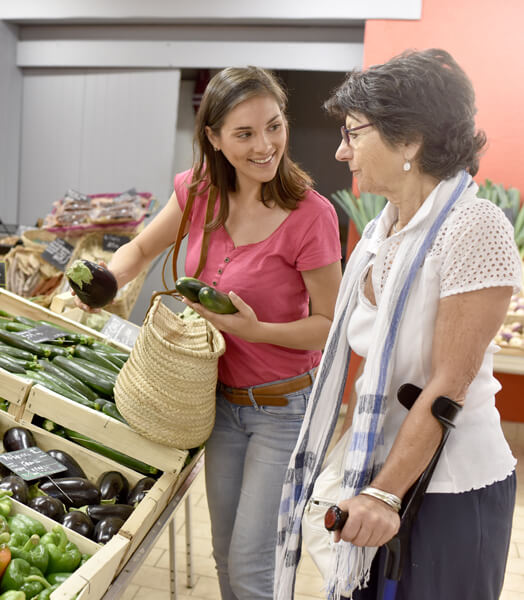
point(44, 594)
point(63, 554)
point(6, 504)
point(30, 550)
point(13, 595)
point(25, 524)
point(21, 576)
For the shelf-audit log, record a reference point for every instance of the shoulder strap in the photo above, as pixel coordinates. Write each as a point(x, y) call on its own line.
point(175, 248)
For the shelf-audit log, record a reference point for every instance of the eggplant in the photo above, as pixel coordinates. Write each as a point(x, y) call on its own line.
point(97, 512)
point(106, 528)
point(18, 486)
point(72, 491)
point(73, 468)
point(95, 285)
point(48, 506)
point(140, 490)
point(113, 486)
point(80, 522)
point(18, 438)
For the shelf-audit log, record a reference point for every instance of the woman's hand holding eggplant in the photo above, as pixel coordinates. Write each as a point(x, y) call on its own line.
point(370, 522)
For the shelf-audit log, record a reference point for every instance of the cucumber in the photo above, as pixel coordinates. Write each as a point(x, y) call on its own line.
point(12, 339)
point(189, 287)
point(93, 357)
point(216, 301)
point(115, 455)
point(66, 377)
point(86, 375)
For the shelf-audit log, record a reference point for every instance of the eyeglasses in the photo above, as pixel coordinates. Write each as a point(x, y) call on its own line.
point(347, 132)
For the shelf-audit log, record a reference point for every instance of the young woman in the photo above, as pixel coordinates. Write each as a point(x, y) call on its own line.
point(274, 247)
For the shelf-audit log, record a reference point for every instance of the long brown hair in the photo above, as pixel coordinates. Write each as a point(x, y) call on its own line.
point(225, 91)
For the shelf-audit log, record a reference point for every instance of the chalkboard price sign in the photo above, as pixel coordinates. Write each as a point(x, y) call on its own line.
point(58, 252)
point(44, 333)
point(120, 330)
point(31, 463)
point(111, 243)
point(2, 273)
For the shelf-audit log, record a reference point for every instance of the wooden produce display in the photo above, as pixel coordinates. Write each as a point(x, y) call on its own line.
point(105, 430)
point(30, 402)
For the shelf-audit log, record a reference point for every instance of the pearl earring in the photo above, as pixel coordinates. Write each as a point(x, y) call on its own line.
point(407, 166)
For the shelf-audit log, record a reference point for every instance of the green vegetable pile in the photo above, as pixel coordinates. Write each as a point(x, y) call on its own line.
point(73, 365)
point(33, 561)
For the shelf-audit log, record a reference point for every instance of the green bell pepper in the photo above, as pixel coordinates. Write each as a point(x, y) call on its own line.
point(25, 524)
point(63, 554)
point(29, 549)
point(13, 595)
point(58, 577)
point(44, 594)
point(21, 576)
point(6, 504)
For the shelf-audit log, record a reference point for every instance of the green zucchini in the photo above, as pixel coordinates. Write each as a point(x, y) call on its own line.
point(17, 327)
point(56, 350)
point(115, 455)
point(189, 287)
point(109, 408)
point(12, 339)
point(106, 348)
point(26, 321)
point(93, 357)
point(216, 301)
point(16, 352)
point(59, 387)
point(86, 375)
point(9, 364)
point(111, 375)
point(66, 377)
point(22, 362)
point(116, 360)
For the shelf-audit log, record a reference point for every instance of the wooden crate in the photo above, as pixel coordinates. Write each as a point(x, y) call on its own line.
point(14, 389)
point(41, 401)
point(100, 427)
point(92, 579)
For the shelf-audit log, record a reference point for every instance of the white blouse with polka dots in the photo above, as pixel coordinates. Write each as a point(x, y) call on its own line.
point(474, 249)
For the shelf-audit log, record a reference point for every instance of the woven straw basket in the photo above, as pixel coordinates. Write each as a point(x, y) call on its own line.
point(166, 389)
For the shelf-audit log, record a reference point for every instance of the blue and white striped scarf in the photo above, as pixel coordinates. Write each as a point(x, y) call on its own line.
point(366, 454)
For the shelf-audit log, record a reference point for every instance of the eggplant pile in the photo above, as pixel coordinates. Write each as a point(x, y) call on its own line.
point(96, 510)
point(95, 285)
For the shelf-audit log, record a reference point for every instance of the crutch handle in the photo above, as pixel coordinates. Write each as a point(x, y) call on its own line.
point(335, 518)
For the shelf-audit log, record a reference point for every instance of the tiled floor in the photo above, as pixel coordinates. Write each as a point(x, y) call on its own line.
point(152, 580)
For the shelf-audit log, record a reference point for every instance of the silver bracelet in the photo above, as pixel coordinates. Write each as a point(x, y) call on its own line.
point(391, 500)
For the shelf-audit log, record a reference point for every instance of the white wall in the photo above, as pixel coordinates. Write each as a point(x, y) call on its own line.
point(10, 111)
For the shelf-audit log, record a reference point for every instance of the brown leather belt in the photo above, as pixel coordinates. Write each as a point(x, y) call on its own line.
point(272, 394)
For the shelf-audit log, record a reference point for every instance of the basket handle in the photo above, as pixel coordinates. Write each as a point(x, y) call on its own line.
point(175, 248)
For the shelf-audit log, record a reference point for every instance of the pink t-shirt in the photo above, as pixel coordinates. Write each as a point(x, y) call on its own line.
point(267, 276)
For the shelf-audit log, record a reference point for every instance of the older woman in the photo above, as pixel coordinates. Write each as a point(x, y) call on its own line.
point(422, 297)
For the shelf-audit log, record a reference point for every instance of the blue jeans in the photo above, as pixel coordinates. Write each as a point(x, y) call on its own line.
point(246, 459)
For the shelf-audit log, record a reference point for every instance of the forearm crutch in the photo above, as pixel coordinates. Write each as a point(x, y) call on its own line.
point(445, 411)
